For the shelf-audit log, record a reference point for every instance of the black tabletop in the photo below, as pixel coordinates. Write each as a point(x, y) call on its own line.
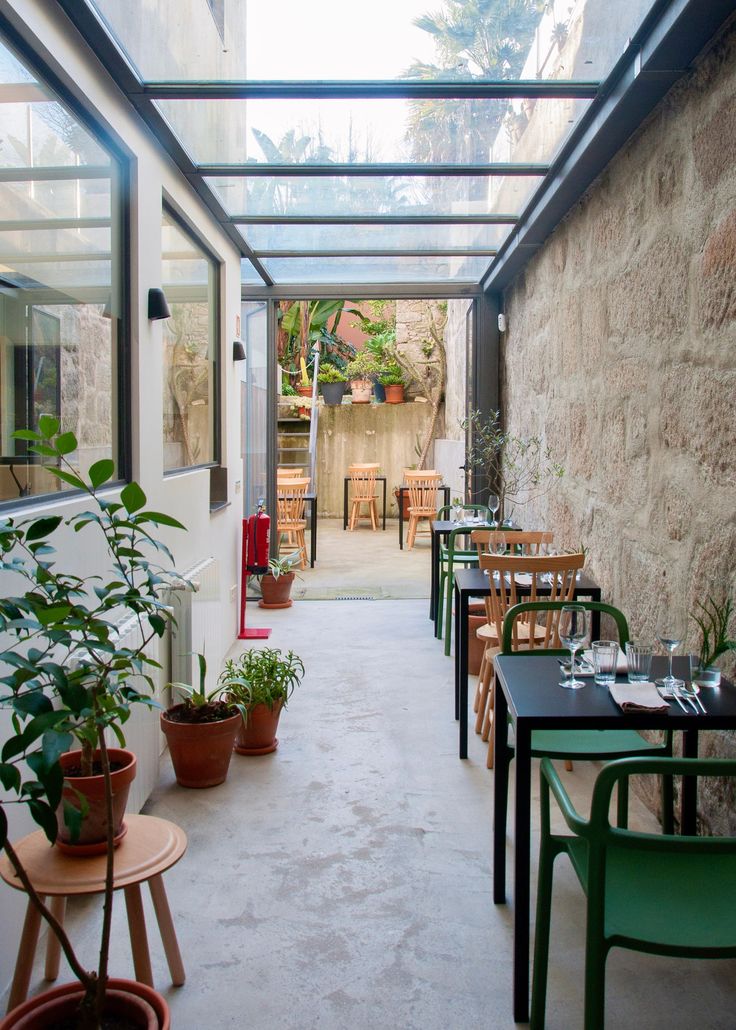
point(476, 581)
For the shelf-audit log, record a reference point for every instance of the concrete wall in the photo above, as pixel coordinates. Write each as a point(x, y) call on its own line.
point(620, 352)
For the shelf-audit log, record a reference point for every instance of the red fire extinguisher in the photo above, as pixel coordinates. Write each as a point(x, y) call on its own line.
point(254, 562)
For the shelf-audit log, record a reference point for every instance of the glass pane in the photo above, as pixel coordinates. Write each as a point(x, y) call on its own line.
point(255, 409)
point(374, 237)
point(376, 270)
point(60, 281)
point(248, 273)
point(189, 282)
point(314, 196)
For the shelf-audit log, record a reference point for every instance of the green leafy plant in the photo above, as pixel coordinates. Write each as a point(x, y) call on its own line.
point(364, 366)
point(712, 619)
point(198, 704)
point(331, 374)
point(261, 676)
point(287, 390)
point(66, 675)
point(391, 375)
point(282, 566)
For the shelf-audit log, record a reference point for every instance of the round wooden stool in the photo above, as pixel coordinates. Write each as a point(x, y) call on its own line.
point(149, 848)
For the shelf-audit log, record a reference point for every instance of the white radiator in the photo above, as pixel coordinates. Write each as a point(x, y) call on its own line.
point(199, 625)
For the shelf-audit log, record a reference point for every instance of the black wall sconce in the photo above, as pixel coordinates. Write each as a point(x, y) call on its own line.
point(157, 305)
point(238, 351)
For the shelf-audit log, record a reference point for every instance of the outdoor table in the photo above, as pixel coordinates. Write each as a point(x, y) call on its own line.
point(527, 691)
point(403, 490)
point(473, 583)
point(346, 481)
point(441, 529)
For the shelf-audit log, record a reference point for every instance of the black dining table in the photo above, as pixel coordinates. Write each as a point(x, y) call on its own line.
point(474, 583)
point(527, 694)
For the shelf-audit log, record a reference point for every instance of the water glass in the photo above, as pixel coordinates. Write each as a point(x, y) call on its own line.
point(639, 661)
point(605, 660)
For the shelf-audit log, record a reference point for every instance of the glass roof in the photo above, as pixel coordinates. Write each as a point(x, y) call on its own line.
point(400, 142)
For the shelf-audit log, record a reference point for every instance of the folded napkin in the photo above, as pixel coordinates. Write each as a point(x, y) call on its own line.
point(621, 663)
point(637, 697)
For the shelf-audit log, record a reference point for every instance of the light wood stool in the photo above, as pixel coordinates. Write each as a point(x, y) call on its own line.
point(149, 848)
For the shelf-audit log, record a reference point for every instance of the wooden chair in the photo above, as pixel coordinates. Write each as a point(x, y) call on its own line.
point(517, 578)
point(287, 472)
point(291, 522)
point(423, 488)
point(363, 492)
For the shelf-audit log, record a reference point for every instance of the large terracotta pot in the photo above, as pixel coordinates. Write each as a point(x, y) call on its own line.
point(395, 394)
point(275, 590)
point(362, 390)
point(258, 736)
point(144, 1008)
point(476, 619)
point(92, 839)
point(200, 752)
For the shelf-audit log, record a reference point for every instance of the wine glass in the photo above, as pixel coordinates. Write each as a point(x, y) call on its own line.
point(494, 503)
point(670, 632)
point(573, 631)
point(498, 544)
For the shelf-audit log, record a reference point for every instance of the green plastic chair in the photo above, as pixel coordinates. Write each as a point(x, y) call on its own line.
point(594, 745)
point(645, 892)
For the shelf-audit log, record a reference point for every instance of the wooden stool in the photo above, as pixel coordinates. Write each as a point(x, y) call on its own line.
point(149, 848)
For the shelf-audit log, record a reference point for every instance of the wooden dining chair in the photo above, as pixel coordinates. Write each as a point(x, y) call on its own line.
point(363, 493)
point(287, 472)
point(423, 487)
point(291, 522)
point(515, 578)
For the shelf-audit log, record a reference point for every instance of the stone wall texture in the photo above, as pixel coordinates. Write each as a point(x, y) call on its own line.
point(620, 352)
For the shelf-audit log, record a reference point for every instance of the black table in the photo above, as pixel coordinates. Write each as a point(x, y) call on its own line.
point(473, 583)
point(346, 481)
point(441, 529)
point(527, 692)
point(403, 491)
point(312, 500)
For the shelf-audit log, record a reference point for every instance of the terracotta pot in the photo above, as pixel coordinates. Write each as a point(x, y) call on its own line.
point(362, 389)
point(395, 394)
point(145, 1008)
point(476, 618)
point(258, 737)
point(405, 504)
point(276, 590)
point(304, 391)
point(200, 752)
point(92, 838)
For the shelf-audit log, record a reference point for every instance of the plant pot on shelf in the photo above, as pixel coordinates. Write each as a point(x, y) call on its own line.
point(379, 393)
point(275, 590)
point(333, 393)
point(92, 839)
point(395, 393)
point(258, 735)
point(361, 389)
point(141, 1006)
point(200, 751)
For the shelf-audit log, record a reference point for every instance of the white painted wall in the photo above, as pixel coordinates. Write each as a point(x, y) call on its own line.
point(185, 495)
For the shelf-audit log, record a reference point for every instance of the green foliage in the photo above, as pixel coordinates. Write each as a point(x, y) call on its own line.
point(261, 676)
point(287, 390)
point(282, 566)
point(712, 618)
point(331, 374)
point(391, 375)
point(199, 704)
point(364, 366)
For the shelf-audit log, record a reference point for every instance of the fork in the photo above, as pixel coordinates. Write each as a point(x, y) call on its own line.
point(693, 694)
point(682, 694)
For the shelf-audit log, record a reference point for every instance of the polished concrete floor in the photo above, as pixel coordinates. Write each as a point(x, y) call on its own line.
point(344, 881)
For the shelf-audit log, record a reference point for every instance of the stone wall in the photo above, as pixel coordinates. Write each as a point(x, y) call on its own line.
point(620, 352)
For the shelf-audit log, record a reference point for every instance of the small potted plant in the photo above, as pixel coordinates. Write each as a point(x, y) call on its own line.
point(260, 682)
point(277, 582)
point(361, 372)
point(200, 731)
point(393, 381)
point(712, 619)
point(304, 386)
point(333, 382)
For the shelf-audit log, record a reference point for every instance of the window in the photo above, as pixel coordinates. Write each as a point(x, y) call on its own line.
point(60, 280)
point(190, 382)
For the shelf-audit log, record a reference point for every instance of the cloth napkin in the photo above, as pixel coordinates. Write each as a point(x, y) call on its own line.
point(637, 697)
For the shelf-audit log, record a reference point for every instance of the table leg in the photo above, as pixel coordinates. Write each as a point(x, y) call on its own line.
point(166, 927)
point(401, 518)
point(434, 566)
point(138, 938)
point(522, 805)
point(461, 645)
point(26, 954)
point(384, 505)
point(345, 503)
point(456, 599)
point(313, 532)
point(501, 763)
point(53, 947)
point(689, 795)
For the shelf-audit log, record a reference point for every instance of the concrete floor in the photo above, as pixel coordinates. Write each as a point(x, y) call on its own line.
point(344, 881)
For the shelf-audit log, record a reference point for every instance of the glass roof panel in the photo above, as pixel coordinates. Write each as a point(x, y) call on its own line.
point(289, 131)
point(373, 237)
point(388, 269)
point(315, 196)
point(292, 40)
point(248, 273)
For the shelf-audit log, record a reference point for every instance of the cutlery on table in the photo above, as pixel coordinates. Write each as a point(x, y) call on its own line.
point(693, 694)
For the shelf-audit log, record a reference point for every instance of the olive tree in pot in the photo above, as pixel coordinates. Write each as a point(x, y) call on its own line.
point(65, 676)
point(260, 682)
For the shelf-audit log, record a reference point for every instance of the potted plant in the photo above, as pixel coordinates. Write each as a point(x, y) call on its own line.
point(200, 732)
point(276, 583)
point(333, 382)
point(392, 379)
point(361, 372)
point(260, 681)
point(66, 677)
point(712, 619)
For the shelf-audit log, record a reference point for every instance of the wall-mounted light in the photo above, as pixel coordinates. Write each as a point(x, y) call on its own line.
point(157, 305)
point(502, 323)
point(238, 351)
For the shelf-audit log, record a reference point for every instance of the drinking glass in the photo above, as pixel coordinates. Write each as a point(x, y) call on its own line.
point(494, 503)
point(671, 630)
point(499, 545)
point(573, 631)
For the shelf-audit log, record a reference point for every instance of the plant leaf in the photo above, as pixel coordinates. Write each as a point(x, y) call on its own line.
point(132, 497)
point(101, 472)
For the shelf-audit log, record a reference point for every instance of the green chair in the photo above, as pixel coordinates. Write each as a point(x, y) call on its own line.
point(593, 745)
point(451, 555)
point(645, 892)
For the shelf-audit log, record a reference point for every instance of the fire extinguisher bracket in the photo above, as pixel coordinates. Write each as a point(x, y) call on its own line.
point(253, 562)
